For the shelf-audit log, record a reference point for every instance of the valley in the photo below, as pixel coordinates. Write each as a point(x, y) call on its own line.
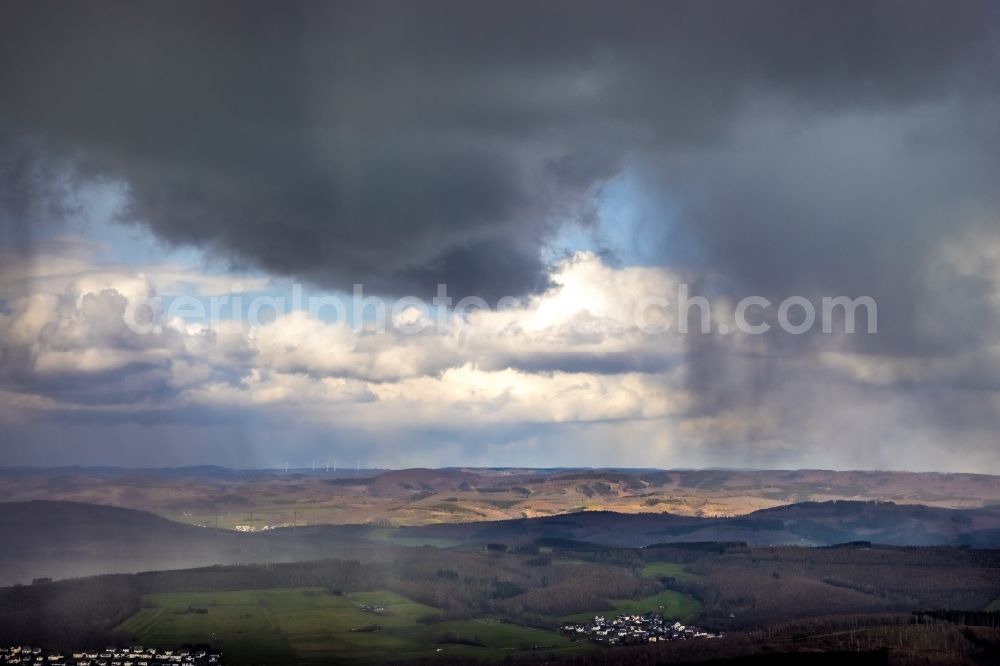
point(886, 580)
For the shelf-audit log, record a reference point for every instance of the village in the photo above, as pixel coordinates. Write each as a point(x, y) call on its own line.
point(634, 629)
point(110, 656)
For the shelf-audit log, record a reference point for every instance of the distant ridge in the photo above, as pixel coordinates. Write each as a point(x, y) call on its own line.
point(56, 539)
point(65, 539)
point(219, 496)
point(807, 524)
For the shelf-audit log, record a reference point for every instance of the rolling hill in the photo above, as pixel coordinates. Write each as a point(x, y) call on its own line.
point(220, 497)
point(805, 524)
point(57, 540)
point(67, 539)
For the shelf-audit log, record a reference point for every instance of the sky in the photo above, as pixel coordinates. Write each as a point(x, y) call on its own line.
point(204, 205)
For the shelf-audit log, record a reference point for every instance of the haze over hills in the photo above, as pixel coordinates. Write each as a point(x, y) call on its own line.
point(253, 499)
point(67, 539)
point(278, 582)
point(808, 524)
point(82, 521)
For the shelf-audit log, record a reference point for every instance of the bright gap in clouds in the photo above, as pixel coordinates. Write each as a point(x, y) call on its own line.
point(634, 224)
point(551, 380)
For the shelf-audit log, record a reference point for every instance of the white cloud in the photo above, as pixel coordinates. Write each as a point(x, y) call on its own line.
point(73, 325)
point(570, 367)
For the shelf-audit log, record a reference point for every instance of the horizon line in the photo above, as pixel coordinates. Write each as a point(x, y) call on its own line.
point(380, 470)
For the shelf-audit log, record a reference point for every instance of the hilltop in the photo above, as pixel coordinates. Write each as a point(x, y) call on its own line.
point(253, 499)
point(66, 539)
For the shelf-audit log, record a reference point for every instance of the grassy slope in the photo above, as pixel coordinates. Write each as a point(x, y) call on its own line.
point(672, 605)
point(669, 603)
point(671, 569)
point(295, 626)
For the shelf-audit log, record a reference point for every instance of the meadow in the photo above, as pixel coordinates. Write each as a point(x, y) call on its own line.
point(309, 625)
point(673, 570)
point(499, 596)
point(670, 604)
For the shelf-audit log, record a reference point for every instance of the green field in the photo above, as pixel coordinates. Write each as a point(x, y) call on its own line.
point(671, 569)
point(670, 604)
point(284, 626)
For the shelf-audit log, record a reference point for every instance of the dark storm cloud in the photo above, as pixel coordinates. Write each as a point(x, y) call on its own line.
point(34, 189)
point(405, 144)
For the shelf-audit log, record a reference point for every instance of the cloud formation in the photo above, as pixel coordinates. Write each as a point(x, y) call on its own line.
point(403, 145)
point(558, 368)
point(785, 149)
